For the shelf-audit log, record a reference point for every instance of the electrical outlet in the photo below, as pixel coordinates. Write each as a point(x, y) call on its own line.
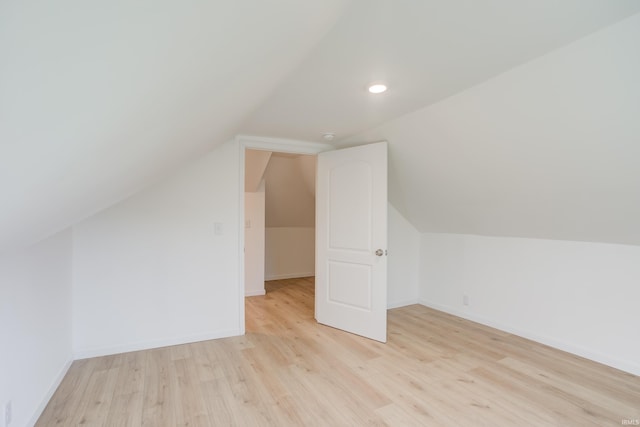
point(7, 414)
point(465, 299)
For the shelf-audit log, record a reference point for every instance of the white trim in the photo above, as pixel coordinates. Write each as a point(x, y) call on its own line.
point(289, 276)
point(398, 304)
point(624, 365)
point(255, 293)
point(282, 145)
point(147, 345)
point(241, 243)
point(52, 389)
point(267, 144)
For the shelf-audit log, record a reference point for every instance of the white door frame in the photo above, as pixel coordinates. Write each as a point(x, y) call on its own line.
point(264, 144)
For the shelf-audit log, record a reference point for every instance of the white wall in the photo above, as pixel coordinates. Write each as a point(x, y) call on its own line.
point(254, 246)
point(290, 189)
point(403, 264)
point(35, 325)
point(576, 296)
point(255, 163)
point(290, 216)
point(152, 271)
point(290, 252)
point(548, 149)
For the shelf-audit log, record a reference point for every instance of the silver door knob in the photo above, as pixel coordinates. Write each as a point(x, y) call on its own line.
point(379, 252)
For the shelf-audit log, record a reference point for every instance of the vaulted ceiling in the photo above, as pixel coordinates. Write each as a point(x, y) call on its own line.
point(425, 51)
point(97, 99)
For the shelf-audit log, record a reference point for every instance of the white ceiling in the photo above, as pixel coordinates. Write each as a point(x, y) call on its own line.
point(547, 150)
point(425, 50)
point(99, 98)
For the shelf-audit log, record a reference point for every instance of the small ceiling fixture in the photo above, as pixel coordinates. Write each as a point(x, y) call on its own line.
point(377, 88)
point(328, 136)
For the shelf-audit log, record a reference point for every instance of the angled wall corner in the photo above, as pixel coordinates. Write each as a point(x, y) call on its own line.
point(290, 216)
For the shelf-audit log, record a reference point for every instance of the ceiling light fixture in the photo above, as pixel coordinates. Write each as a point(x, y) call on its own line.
point(328, 136)
point(377, 88)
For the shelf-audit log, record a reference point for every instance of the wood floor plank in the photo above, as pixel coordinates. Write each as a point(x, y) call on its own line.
point(158, 409)
point(563, 410)
point(435, 370)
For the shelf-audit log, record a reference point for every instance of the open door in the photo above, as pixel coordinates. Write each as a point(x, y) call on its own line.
point(351, 240)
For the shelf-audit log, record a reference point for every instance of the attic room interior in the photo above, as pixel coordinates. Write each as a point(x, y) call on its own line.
point(208, 217)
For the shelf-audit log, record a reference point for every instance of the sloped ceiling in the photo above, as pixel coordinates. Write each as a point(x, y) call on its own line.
point(290, 191)
point(548, 150)
point(255, 163)
point(98, 99)
point(425, 51)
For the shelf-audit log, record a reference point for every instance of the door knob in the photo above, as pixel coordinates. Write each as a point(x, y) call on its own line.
point(379, 252)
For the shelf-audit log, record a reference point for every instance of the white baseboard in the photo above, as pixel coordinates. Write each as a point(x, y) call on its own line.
point(614, 362)
point(289, 276)
point(47, 397)
point(254, 293)
point(398, 304)
point(146, 345)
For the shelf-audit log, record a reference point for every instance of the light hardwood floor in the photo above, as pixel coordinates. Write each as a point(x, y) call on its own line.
point(435, 370)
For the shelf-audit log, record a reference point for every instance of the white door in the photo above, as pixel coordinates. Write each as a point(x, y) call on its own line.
point(351, 240)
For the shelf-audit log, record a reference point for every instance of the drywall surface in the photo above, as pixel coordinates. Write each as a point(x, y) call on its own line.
point(97, 101)
point(35, 325)
point(403, 266)
point(155, 270)
point(254, 236)
point(290, 252)
point(290, 191)
point(546, 150)
point(290, 216)
point(255, 163)
point(576, 296)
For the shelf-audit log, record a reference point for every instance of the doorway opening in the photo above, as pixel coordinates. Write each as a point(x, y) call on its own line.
point(279, 230)
point(350, 290)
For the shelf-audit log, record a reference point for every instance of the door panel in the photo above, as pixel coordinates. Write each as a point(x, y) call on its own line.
point(351, 225)
point(350, 206)
point(358, 295)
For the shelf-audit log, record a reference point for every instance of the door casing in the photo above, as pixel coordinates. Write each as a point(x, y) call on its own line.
point(267, 144)
point(245, 142)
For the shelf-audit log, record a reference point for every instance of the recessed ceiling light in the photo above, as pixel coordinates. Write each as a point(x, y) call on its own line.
point(377, 88)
